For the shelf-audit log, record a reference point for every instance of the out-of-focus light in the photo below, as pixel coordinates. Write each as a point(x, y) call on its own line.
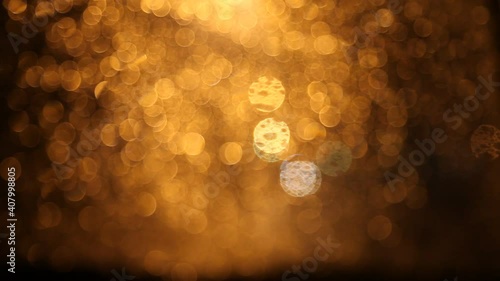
point(300, 178)
point(271, 139)
point(266, 94)
point(334, 158)
point(486, 140)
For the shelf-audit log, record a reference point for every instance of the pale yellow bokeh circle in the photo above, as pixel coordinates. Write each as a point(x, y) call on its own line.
point(266, 94)
point(271, 139)
point(230, 153)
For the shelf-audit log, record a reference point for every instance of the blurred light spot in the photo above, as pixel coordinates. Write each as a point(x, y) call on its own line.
point(146, 204)
point(266, 94)
point(230, 153)
point(300, 178)
point(194, 143)
point(486, 140)
point(271, 139)
point(49, 215)
point(333, 158)
point(10, 162)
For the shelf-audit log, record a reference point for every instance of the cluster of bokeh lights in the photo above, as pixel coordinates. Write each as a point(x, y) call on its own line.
point(271, 140)
point(165, 96)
